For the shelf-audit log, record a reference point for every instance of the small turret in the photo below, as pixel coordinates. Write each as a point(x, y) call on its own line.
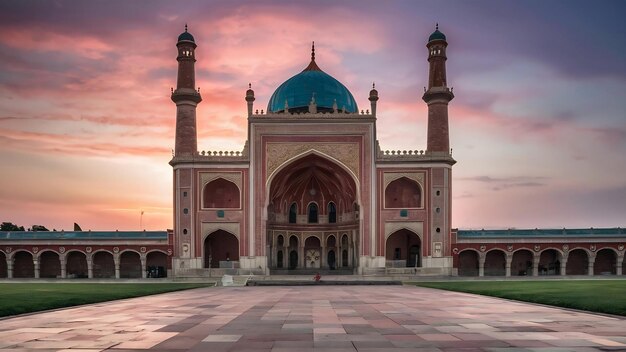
point(373, 98)
point(250, 98)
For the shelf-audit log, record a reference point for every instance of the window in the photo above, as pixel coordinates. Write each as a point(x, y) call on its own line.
point(312, 211)
point(185, 211)
point(438, 230)
point(293, 212)
point(185, 194)
point(184, 231)
point(438, 192)
point(396, 254)
point(332, 213)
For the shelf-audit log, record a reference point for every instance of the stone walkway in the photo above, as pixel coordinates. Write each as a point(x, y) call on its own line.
point(323, 318)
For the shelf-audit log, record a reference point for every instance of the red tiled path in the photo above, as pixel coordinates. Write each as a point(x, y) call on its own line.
point(322, 318)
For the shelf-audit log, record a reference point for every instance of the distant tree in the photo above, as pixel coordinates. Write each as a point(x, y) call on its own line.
point(39, 228)
point(9, 226)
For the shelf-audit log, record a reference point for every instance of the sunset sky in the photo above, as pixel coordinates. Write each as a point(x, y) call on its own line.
point(538, 125)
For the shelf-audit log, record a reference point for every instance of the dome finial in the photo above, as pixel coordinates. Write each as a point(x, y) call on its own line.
point(373, 85)
point(313, 51)
point(437, 26)
point(185, 27)
point(249, 85)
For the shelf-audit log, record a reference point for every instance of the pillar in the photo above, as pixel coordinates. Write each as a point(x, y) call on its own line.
point(592, 260)
point(116, 260)
point(618, 269)
point(63, 267)
point(301, 257)
point(509, 260)
point(481, 265)
point(563, 265)
point(143, 267)
point(536, 259)
point(36, 264)
point(9, 268)
point(90, 267)
point(323, 263)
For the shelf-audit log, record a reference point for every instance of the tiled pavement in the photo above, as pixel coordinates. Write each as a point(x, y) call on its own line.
point(322, 318)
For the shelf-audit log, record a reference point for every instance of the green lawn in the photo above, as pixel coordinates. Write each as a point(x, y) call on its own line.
point(604, 296)
point(31, 297)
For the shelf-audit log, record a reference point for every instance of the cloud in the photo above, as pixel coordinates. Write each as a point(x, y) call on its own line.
point(503, 183)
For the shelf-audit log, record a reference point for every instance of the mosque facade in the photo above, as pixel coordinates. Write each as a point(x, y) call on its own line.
point(312, 191)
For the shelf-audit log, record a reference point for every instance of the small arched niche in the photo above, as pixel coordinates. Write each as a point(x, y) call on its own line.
point(221, 194)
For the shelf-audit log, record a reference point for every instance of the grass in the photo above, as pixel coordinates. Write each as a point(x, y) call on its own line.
point(602, 296)
point(19, 298)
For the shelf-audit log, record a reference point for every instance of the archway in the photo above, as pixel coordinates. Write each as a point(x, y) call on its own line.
point(522, 263)
point(221, 194)
point(332, 213)
point(312, 252)
point(403, 249)
point(403, 193)
point(549, 262)
point(577, 262)
point(156, 264)
point(345, 261)
point(3, 265)
point(103, 265)
point(495, 263)
point(468, 263)
point(130, 265)
point(293, 252)
point(23, 266)
point(605, 263)
point(49, 265)
point(76, 265)
point(221, 249)
point(331, 257)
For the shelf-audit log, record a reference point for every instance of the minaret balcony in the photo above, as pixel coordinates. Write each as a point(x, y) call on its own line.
point(434, 94)
point(189, 94)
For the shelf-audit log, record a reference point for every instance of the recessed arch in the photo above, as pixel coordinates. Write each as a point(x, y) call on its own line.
point(220, 249)
point(293, 213)
point(331, 210)
point(221, 194)
point(3, 265)
point(312, 211)
point(403, 193)
point(23, 265)
point(157, 263)
point(495, 263)
point(403, 249)
point(103, 264)
point(76, 264)
point(49, 264)
point(130, 264)
point(550, 262)
point(522, 262)
point(468, 262)
point(605, 262)
point(577, 262)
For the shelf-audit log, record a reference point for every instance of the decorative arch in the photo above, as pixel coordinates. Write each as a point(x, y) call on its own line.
point(49, 264)
point(76, 264)
point(4, 272)
point(495, 262)
point(468, 262)
point(312, 213)
point(103, 264)
point(157, 263)
point(605, 262)
point(577, 261)
point(23, 265)
point(522, 262)
point(221, 194)
point(293, 213)
point(130, 264)
point(403, 249)
point(332, 212)
point(403, 193)
point(550, 261)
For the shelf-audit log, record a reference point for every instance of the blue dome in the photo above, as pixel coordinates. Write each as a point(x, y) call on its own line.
point(437, 35)
point(186, 36)
point(299, 89)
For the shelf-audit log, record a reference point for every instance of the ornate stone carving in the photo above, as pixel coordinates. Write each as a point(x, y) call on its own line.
point(509, 248)
point(208, 227)
point(455, 250)
point(620, 247)
point(8, 250)
point(35, 249)
point(116, 249)
point(234, 177)
point(61, 249)
point(592, 247)
point(169, 252)
point(142, 249)
point(88, 249)
point(565, 248)
point(438, 250)
point(415, 176)
point(483, 248)
point(346, 153)
point(537, 248)
point(415, 226)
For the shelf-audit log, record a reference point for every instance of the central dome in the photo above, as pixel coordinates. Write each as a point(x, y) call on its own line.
point(312, 83)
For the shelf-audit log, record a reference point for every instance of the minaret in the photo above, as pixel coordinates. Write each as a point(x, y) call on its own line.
point(438, 94)
point(186, 97)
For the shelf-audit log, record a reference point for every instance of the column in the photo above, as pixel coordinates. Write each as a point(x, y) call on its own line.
point(509, 260)
point(481, 265)
point(285, 256)
point(116, 260)
point(618, 269)
point(323, 264)
point(536, 259)
point(63, 266)
point(143, 267)
point(89, 267)
point(563, 265)
point(9, 268)
point(301, 257)
point(592, 260)
point(36, 263)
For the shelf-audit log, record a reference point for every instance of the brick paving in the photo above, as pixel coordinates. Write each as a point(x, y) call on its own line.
point(323, 318)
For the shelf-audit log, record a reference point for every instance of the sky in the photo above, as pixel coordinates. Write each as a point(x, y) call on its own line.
point(538, 124)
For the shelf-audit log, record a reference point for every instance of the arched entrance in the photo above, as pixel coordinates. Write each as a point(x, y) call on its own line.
point(23, 266)
point(103, 265)
point(76, 265)
point(495, 263)
point(522, 263)
point(312, 253)
point(49, 265)
point(221, 250)
point(156, 264)
point(403, 249)
point(293, 252)
point(550, 262)
point(345, 261)
point(468, 263)
point(3, 265)
point(130, 265)
point(577, 262)
point(605, 263)
point(309, 194)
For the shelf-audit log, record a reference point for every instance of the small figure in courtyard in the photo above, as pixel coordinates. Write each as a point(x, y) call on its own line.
point(317, 277)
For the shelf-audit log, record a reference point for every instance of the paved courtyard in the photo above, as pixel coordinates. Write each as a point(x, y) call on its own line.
point(322, 318)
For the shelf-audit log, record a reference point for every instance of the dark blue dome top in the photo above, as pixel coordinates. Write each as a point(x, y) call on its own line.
point(437, 35)
point(186, 36)
point(312, 82)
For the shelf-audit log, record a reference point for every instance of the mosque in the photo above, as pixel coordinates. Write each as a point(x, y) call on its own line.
point(312, 191)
